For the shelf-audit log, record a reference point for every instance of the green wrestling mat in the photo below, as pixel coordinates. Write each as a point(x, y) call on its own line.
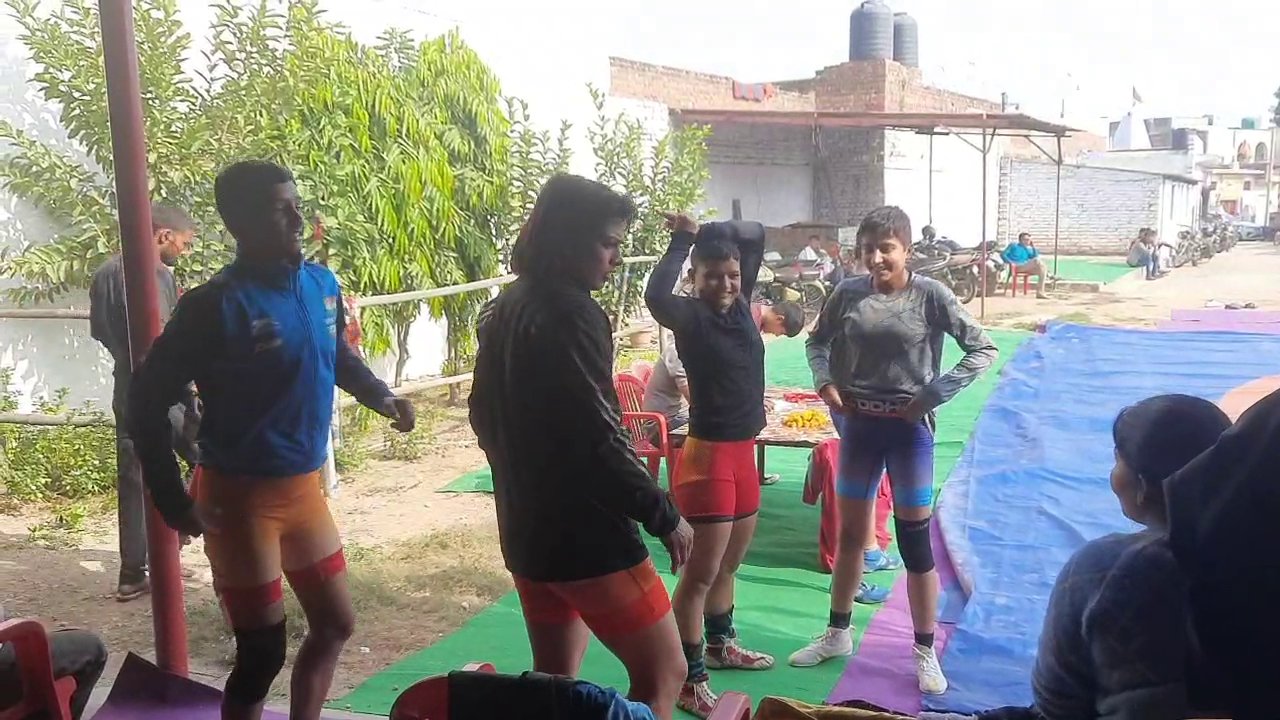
point(782, 597)
point(1090, 269)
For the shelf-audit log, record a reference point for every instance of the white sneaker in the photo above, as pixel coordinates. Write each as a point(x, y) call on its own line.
point(832, 643)
point(928, 672)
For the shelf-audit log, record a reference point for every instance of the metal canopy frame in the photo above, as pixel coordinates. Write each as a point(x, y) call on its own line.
point(986, 126)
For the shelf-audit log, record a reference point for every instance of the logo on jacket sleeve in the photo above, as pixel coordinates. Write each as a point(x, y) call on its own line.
point(331, 314)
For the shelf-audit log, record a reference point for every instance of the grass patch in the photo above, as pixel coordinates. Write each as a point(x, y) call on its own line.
point(405, 596)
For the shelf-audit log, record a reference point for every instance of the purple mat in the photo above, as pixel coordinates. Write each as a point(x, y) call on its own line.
point(883, 672)
point(1219, 315)
point(1259, 328)
point(143, 691)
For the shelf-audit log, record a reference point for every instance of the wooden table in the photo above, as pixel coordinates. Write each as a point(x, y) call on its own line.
point(777, 434)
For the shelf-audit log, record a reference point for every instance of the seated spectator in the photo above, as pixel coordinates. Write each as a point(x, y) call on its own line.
point(1143, 253)
point(1116, 641)
point(1023, 256)
point(76, 653)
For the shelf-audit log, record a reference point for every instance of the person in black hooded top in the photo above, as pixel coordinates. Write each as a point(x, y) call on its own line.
point(568, 487)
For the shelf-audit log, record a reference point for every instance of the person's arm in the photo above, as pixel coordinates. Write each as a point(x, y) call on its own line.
point(582, 350)
point(818, 346)
point(190, 339)
point(675, 368)
point(1136, 630)
point(946, 313)
point(1007, 254)
point(353, 376)
point(750, 239)
point(670, 310)
point(108, 320)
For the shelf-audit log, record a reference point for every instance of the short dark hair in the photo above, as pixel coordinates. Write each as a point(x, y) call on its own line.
point(170, 217)
point(1157, 436)
point(887, 221)
point(242, 185)
point(792, 317)
point(714, 250)
point(1023, 236)
point(570, 214)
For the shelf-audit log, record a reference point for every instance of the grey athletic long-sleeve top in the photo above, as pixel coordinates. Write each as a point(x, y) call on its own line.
point(888, 347)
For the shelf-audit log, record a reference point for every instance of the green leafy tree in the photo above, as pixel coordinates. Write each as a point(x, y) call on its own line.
point(665, 174)
point(535, 157)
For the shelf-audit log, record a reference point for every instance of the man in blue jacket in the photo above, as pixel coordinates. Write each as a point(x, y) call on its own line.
point(263, 341)
point(1024, 256)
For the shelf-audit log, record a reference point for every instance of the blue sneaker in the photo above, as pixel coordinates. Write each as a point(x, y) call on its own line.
point(877, 560)
point(869, 594)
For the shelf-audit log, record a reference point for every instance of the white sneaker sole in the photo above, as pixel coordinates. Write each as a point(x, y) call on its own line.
point(796, 663)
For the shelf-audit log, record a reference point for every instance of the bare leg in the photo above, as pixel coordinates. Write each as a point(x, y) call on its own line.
point(720, 594)
point(846, 575)
point(655, 664)
point(689, 602)
point(558, 649)
point(922, 588)
point(330, 623)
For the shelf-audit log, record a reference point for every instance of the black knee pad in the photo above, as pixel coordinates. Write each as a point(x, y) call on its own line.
point(913, 544)
point(259, 657)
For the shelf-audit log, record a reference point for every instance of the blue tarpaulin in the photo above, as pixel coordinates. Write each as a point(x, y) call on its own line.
point(1033, 485)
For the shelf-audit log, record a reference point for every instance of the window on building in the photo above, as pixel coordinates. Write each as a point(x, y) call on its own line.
point(1248, 185)
point(1260, 153)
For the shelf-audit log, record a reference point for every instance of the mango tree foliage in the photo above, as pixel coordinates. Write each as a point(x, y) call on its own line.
point(662, 174)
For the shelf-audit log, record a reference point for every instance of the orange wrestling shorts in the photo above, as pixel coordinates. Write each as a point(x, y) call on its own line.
point(717, 481)
point(262, 529)
point(613, 605)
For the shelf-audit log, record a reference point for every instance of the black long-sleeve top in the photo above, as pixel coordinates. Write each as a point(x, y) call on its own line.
point(568, 487)
point(722, 352)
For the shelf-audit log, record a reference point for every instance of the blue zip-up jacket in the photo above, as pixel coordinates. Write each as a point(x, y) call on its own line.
point(265, 348)
point(1018, 254)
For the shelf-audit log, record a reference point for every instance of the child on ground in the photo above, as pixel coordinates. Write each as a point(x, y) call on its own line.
point(716, 484)
point(885, 330)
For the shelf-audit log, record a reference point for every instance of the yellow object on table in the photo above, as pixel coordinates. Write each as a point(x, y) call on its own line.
point(806, 420)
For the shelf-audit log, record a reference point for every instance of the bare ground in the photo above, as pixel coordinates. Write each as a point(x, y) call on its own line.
point(422, 562)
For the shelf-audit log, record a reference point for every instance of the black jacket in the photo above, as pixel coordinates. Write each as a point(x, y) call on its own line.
point(569, 489)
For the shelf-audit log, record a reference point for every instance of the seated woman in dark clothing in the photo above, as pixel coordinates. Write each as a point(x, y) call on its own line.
point(1116, 641)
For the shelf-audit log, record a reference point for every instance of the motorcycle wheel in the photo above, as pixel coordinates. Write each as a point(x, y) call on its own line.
point(965, 289)
point(1195, 259)
point(812, 297)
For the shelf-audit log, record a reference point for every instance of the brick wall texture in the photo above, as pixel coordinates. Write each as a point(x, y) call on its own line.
point(848, 163)
point(1102, 209)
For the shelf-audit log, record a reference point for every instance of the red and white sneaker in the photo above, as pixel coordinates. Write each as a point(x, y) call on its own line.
point(696, 698)
point(729, 655)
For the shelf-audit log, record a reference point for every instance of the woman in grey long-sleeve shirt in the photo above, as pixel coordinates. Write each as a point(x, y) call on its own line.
point(876, 357)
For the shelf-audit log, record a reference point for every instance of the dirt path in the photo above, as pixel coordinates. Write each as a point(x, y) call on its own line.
point(422, 562)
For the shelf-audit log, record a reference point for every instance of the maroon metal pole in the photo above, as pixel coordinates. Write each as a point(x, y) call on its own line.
point(129, 153)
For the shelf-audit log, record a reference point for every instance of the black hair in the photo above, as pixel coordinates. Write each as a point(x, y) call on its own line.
point(570, 215)
point(170, 217)
point(792, 317)
point(714, 250)
point(1022, 235)
point(1159, 435)
point(241, 188)
point(887, 221)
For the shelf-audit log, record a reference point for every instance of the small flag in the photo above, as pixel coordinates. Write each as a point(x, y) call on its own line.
point(1136, 97)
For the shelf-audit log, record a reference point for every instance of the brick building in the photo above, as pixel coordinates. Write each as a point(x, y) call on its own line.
point(782, 173)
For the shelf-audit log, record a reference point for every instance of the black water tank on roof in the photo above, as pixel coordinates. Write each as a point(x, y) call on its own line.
point(906, 40)
point(871, 32)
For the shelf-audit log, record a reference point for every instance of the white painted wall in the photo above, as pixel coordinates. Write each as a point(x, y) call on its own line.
point(957, 184)
point(1162, 162)
point(548, 74)
point(775, 195)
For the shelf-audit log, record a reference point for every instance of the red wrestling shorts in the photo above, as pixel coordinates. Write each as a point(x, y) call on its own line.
point(261, 529)
point(613, 605)
point(717, 481)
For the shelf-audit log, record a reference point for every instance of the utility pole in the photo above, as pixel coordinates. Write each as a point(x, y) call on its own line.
point(1269, 169)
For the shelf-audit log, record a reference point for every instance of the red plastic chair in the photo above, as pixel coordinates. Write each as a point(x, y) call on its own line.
point(1014, 276)
point(429, 700)
point(636, 421)
point(41, 692)
point(642, 370)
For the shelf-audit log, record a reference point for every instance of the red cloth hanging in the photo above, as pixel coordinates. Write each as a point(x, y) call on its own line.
point(820, 484)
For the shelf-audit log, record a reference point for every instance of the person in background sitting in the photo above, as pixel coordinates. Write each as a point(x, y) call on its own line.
point(1024, 256)
point(1143, 253)
point(813, 252)
point(78, 654)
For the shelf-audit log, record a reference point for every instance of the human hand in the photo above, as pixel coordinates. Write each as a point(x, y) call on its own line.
point(401, 413)
point(679, 222)
point(914, 411)
point(679, 544)
point(196, 521)
point(831, 397)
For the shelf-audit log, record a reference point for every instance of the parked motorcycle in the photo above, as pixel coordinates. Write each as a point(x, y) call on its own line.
point(1191, 248)
point(797, 282)
point(943, 260)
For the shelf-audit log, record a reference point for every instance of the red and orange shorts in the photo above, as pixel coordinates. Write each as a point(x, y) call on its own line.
point(263, 529)
point(717, 481)
point(613, 605)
